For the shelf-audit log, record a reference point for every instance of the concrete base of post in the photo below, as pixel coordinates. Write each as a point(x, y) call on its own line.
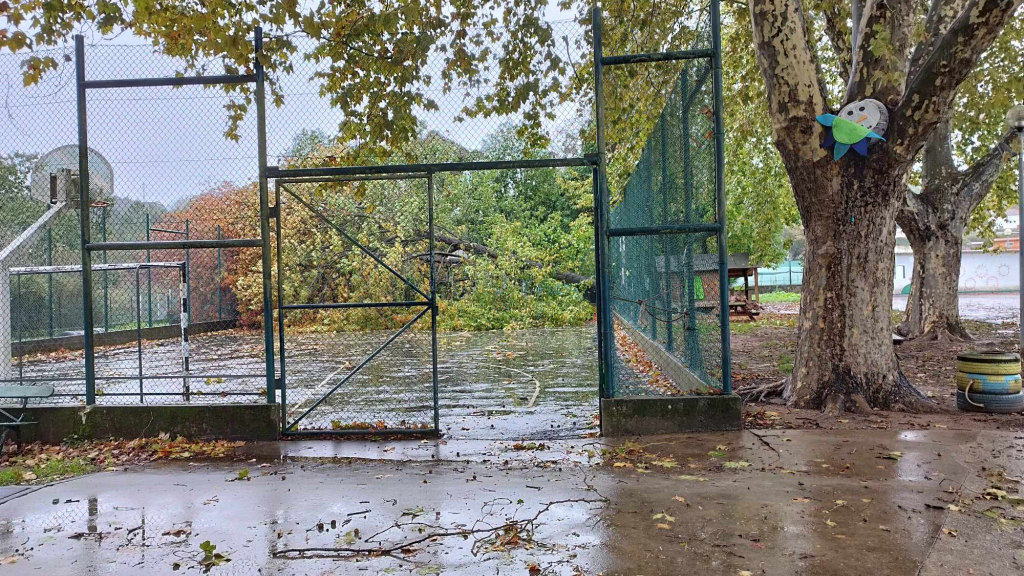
point(249, 422)
point(669, 415)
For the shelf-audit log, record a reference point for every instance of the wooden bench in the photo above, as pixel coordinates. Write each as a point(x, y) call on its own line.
point(8, 421)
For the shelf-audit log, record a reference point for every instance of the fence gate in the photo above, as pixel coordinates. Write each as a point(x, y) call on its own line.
point(356, 309)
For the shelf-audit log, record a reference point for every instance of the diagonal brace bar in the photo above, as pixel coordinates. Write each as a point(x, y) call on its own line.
point(355, 242)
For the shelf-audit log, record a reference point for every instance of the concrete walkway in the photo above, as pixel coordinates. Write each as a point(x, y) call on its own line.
point(864, 502)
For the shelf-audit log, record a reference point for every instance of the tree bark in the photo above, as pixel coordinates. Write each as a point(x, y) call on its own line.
point(934, 221)
point(933, 307)
point(845, 359)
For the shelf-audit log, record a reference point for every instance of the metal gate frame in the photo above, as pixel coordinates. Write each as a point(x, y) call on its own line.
point(429, 302)
point(596, 162)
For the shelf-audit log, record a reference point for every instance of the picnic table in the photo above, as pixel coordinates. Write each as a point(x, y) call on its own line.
point(745, 306)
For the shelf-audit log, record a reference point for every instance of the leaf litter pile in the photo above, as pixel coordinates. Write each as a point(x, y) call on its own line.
point(41, 463)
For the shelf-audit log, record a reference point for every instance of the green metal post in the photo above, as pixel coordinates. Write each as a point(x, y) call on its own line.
point(433, 300)
point(666, 254)
point(19, 311)
point(49, 279)
point(693, 356)
point(106, 280)
point(283, 382)
point(723, 250)
point(83, 202)
point(149, 277)
point(606, 328)
point(261, 136)
point(220, 278)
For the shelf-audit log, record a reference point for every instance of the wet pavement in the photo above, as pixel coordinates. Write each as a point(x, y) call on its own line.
point(770, 502)
point(996, 307)
point(529, 384)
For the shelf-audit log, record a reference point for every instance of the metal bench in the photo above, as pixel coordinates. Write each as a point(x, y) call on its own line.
point(8, 421)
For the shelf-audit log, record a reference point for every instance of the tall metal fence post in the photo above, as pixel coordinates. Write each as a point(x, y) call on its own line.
point(261, 129)
point(606, 329)
point(220, 279)
point(433, 301)
point(20, 325)
point(106, 282)
point(283, 383)
point(723, 249)
point(49, 279)
point(138, 331)
point(149, 277)
point(83, 204)
point(666, 254)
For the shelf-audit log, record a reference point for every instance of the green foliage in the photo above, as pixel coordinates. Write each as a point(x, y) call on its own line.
point(526, 225)
point(993, 88)
point(372, 59)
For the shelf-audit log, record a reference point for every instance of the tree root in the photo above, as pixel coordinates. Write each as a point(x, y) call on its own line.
point(760, 392)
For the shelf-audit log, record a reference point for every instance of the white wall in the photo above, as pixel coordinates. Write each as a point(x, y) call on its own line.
point(979, 272)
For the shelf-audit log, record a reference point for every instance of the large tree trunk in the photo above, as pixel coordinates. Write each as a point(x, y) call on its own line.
point(933, 309)
point(934, 221)
point(845, 359)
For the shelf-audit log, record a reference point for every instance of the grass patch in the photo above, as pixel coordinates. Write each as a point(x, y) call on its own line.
point(785, 363)
point(51, 470)
point(778, 321)
point(771, 297)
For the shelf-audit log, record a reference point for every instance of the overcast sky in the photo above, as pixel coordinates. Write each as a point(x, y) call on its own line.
point(167, 144)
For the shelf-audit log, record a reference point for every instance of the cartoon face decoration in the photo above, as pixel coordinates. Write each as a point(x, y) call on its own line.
point(857, 125)
point(869, 113)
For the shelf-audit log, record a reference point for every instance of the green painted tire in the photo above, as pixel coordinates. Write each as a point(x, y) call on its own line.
point(988, 384)
point(1002, 367)
point(991, 403)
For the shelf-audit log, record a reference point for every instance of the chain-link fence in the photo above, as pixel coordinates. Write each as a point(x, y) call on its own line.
point(160, 169)
point(664, 253)
point(177, 173)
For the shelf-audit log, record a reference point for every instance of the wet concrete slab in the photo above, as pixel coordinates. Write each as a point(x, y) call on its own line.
point(770, 502)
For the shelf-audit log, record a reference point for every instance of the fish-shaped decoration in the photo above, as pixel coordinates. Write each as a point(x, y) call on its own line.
point(856, 125)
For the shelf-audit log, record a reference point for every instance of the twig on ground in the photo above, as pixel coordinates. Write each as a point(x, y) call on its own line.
point(529, 523)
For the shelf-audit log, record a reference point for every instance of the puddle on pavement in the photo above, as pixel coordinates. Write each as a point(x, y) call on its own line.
point(514, 384)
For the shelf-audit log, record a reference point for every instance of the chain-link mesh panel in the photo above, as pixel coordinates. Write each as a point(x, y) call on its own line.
point(356, 243)
point(160, 169)
point(357, 378)
point(665, 281)
point(36, 120)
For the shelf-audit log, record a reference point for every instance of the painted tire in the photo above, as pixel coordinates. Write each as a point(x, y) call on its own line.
point(992, 403)
point(988, 384)
point(1003, 367)
point(997, 356)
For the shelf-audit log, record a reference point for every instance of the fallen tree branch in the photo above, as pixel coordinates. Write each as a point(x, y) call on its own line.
point(345, 551)
point(482, 250)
